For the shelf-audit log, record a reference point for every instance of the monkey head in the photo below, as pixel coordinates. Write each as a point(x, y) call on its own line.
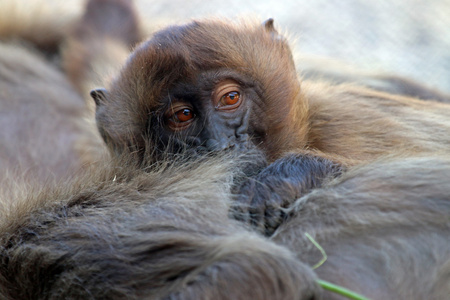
point(208, 86)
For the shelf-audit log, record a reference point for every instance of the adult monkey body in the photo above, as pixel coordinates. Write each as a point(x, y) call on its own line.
point(166, 235)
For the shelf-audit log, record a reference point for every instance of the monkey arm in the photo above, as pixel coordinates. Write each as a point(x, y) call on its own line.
point(260, 199)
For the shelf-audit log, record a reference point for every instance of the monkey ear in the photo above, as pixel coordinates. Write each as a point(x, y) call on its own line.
point(270, 28)
point(268, 25)
point(99, 96)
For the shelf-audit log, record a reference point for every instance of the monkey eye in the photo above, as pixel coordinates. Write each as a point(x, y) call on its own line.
point(183, 115)
point(227, 95)
point(179, 117)
point(231, 99)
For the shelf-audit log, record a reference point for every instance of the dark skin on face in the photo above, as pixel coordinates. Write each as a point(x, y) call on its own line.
point(213, 119)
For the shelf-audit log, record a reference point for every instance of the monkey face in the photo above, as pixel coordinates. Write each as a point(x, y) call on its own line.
point(206, 86)
point(214, 113)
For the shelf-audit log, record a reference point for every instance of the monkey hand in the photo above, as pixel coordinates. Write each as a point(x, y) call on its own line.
point(260, 201)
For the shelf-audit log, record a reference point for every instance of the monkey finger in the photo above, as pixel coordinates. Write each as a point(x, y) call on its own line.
point(273, 217)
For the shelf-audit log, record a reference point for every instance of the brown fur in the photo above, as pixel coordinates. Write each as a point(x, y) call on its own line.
point(346, 123)
point(165, 233)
